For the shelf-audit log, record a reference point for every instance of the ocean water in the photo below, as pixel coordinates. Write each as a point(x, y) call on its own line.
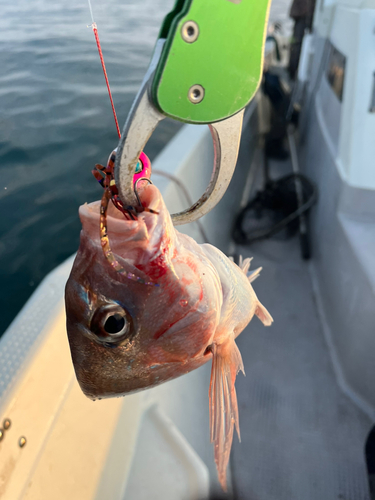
point(56, 122)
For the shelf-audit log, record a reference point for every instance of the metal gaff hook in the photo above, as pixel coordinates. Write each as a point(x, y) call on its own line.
point(141, 123)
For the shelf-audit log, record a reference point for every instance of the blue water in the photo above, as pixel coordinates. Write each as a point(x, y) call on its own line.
point(56, 122)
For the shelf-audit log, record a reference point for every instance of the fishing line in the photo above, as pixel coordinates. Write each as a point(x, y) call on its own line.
point(95, 30)
point(92, 15)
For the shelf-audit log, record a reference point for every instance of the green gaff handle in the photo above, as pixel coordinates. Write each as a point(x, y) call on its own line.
point(212, 61)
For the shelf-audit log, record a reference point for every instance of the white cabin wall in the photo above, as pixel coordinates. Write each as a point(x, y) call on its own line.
point(350, 26)
point(337, 153)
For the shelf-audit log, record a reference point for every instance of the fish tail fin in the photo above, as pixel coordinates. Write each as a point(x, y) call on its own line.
point(226, 363)
point(263, 314)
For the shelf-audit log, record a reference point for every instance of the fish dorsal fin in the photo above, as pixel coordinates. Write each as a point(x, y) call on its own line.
point(254, 275)
point(260, 311)
point(226, 363)
point(244, 265)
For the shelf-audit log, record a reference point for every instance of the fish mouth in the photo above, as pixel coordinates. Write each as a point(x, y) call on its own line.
point(151, 201)
point(89, 214)
point(120, 228)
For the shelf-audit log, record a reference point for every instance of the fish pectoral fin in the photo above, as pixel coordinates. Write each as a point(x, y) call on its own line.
point(226, 363)
point(263, 314)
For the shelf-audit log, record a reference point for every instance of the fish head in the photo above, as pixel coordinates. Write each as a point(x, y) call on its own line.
point(126, 335)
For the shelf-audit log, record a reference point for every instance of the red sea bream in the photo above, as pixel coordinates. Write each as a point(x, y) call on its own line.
point(191, 304)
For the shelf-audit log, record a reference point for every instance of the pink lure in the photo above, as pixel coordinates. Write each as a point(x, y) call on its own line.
point(146, 168)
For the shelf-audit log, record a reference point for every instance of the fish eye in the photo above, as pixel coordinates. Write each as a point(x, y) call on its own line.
point(115, 324)
point(111, 324)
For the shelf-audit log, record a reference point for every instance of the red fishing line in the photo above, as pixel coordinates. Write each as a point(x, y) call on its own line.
point(95, 30)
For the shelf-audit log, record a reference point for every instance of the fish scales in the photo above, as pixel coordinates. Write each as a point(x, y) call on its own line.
point(126, 336)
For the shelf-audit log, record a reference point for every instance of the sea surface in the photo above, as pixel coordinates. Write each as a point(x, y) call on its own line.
point(56, 122)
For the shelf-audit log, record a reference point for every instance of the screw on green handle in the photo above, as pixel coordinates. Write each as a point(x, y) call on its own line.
point(209, 77)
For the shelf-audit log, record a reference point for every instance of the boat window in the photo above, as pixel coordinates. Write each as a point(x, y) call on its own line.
point(336, 70)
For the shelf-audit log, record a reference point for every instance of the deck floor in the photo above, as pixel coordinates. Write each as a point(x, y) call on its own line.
point(302, 438)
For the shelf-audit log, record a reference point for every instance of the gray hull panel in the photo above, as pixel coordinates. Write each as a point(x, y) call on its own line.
point(344, 266)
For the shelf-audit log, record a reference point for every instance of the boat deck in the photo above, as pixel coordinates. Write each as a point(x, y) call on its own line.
point(302, 438)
